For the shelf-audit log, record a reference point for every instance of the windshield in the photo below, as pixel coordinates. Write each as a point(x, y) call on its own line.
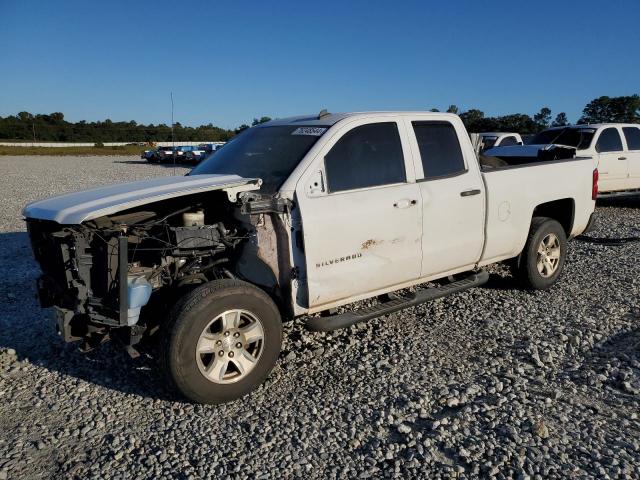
point(269, 153)
point(579, 138)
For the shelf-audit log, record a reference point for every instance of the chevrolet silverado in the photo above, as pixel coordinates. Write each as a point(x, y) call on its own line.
point(292, 218)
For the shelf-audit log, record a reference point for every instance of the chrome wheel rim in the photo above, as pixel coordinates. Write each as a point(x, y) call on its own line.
point(230, 346)
point(548, 255)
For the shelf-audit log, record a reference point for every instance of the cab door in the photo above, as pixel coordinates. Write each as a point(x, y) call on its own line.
point(452, 195)
point(361, 213)
point(613, 164)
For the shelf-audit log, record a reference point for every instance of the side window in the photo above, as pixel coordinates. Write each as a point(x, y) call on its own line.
point(632, 134)
point(439, 149)
point(609, 141)
point(487, 142)
point(367, 156)
point(508, 141)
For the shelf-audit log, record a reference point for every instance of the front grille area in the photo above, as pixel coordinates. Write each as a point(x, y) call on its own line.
point(79, 269)
point(45, 246)
point(47, 243)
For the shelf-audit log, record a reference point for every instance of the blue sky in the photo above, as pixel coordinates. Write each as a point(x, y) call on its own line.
point(227, 62)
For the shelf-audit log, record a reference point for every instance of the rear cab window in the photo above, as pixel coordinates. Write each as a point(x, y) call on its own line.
point(632, 136)
point(609, 141)
point(366, 156)
point(440, 150)
point(509, 141)
point(488, 142)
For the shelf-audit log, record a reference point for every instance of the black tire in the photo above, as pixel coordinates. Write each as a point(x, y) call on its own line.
point(525, 266)
point(190, 317)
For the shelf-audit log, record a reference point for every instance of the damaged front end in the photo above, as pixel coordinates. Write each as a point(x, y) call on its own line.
point(99, 274)
point(107, 253)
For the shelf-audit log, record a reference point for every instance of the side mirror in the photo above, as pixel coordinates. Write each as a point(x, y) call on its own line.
point(316, 186)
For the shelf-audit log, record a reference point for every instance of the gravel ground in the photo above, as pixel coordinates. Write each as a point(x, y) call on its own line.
point(495, 381)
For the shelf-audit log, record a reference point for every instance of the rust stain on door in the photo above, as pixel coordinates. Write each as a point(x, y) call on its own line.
point(369, 243)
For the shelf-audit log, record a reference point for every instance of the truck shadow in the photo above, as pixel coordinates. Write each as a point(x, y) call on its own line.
point(29, 330)
point(622, 201)
point(499, 282)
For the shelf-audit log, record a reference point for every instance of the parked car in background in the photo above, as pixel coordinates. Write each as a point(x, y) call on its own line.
point(615, 148)
point(150, 155)
point(498, 139)
point(183, 153)
point(298, 216)
point(194, 154)
point(211, 147)
point(167, 154)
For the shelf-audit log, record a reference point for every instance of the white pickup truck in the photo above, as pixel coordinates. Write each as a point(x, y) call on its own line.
point(487, 140)
point(292, 218)
point(615, 148)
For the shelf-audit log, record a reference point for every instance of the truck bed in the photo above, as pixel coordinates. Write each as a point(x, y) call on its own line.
point(547, 183)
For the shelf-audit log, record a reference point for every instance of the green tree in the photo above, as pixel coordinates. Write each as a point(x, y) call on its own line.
point(625, 109)
point(543, 118)
point(24, 116)
point(452, 109)
point(471, 119)
point(561, 120)
point(57, 117)
point(518, 122)
point(258, 121)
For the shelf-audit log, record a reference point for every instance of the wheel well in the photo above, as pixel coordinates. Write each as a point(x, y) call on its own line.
point(561, 210)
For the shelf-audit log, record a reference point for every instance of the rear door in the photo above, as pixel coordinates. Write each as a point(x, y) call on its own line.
point(361, 214)
point(613, 164)
point(452, 195)
point(632, 137)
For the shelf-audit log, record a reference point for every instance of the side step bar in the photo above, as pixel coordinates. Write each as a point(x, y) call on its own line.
point(343, 320)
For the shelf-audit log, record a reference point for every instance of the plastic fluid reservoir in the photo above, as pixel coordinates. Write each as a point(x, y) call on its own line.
point(193, 219)
point(138, 293)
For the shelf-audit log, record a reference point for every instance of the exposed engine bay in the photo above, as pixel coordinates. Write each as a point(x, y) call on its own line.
point(98, 275)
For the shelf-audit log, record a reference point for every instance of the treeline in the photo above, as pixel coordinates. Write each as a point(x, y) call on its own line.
point(54, 128)
point(624, 109)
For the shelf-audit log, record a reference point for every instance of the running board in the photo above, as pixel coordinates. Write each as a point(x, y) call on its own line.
point(397, 302)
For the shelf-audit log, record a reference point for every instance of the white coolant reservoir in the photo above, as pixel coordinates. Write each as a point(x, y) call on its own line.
point(193, 219)
point(138, 294)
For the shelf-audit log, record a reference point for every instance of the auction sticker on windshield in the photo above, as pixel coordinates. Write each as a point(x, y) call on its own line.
point(314, 131)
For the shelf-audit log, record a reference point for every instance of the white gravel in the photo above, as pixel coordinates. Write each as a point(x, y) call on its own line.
point(495, 381)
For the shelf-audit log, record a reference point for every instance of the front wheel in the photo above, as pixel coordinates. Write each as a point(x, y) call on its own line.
point(541, 262)
point(221, 341)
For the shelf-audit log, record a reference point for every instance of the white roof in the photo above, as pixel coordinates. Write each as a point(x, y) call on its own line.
point(596, 125)
point(496, 134)
point(333, 118)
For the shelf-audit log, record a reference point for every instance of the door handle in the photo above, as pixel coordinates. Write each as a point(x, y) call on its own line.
point(405, 203)
point(622, 158)
point(468, 193)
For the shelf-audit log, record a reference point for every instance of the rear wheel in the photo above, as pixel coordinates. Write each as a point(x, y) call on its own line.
point(221, 342)
point(541, 262)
